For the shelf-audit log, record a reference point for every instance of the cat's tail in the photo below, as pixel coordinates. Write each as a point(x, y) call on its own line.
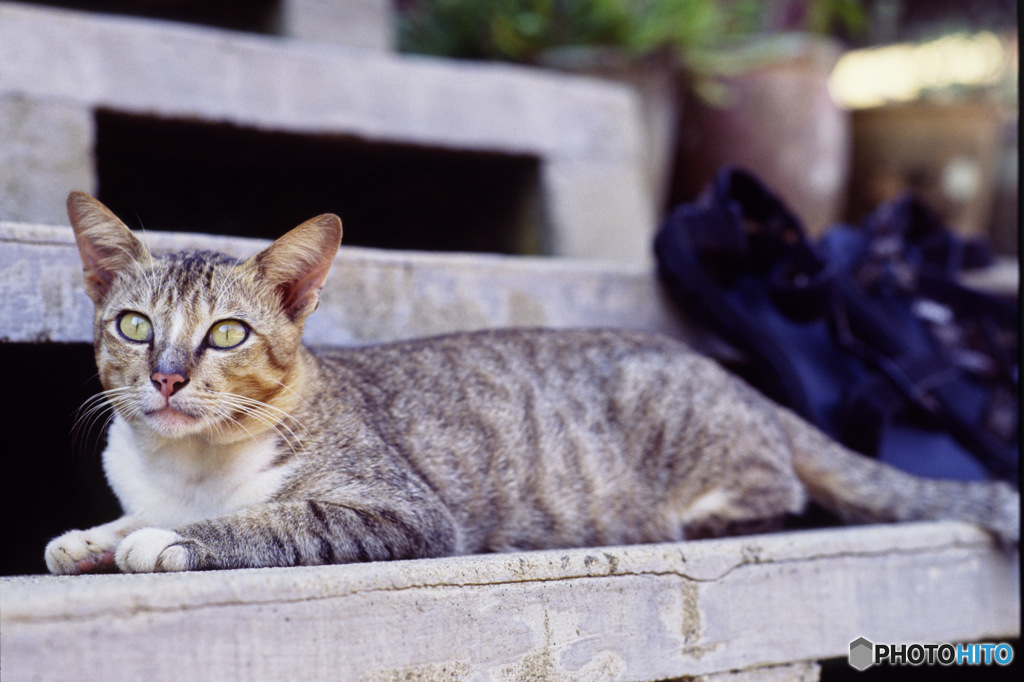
point(860, 489)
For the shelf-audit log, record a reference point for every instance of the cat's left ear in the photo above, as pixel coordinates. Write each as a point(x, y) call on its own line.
point(297, 263)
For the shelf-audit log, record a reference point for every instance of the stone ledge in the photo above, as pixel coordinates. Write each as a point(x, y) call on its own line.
point(371, 295)
point(638, 612)
point(176, 70)
point(56, 67)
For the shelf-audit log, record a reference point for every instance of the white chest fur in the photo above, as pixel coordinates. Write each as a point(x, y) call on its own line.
point(173, 482)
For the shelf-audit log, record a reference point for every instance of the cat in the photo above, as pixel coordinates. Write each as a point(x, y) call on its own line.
point(233, 445)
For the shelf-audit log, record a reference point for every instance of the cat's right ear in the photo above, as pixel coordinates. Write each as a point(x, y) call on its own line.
point(106, 245)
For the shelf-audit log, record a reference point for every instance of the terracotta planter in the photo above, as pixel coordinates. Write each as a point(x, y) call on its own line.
point(778, 120)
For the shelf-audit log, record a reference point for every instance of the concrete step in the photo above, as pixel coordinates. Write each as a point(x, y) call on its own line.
point(619, 613)
point(59, 70)
point(371, 294)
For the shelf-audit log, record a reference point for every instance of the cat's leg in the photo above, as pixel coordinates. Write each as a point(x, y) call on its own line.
point(301, 533)
point(88, 551)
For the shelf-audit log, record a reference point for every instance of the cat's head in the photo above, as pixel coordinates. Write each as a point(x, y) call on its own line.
point(199, 343)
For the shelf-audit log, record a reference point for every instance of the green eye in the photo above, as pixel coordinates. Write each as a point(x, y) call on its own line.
point(135, 327)
point(228, 334)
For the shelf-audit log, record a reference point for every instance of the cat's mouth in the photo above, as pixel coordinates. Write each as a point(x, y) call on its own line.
point(171, 421)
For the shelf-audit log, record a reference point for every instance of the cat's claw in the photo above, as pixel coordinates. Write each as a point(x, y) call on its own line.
point(151, 550)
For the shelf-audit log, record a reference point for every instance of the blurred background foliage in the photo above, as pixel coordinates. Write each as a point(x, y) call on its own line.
point(523, 30)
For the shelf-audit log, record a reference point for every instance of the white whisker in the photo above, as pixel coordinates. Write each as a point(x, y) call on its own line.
point(233, 275)
point(98, 409)
point(226, 416)
point(227, 405)
point(292, 391)
point(142, 270)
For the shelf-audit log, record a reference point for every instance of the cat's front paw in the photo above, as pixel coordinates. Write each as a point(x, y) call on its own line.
point(81, 551)
point(151, 550)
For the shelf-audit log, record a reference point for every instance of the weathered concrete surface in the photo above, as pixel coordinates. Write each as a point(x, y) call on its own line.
point(585, 132)
point(366, 24)
point(623, 613)
point(43, 145)
point(371, 295)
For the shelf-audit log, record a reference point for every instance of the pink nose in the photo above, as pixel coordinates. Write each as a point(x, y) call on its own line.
point(168, 384)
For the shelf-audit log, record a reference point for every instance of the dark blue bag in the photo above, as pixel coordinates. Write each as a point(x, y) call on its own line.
point(844, 331)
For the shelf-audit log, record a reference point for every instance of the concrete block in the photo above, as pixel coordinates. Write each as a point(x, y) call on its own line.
point(756, 605)
point(593, 227)
point(366, 24)
point(44, 140)
point(586, 133)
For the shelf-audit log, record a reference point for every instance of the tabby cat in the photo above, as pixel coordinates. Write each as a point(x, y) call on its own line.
point(233, 445)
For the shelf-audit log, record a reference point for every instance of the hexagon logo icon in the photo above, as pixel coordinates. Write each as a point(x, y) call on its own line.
point(862, 653)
